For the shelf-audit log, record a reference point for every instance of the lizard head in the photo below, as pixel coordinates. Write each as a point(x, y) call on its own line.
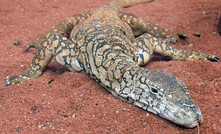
point(163, 94)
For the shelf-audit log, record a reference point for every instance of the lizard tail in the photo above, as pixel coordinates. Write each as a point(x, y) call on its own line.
point(127, 3)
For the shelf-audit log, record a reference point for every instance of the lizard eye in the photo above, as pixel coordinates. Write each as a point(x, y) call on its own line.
point(154, 90)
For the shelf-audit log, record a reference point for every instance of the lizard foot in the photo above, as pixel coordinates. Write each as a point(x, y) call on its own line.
point(212, 58)
point(15, 79)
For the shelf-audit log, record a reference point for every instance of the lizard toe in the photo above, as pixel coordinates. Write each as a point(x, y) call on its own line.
point(7, 84)
point(213, 59)
point(27, 47)
point(216, 59)
point(182, 35)
point(34, 44)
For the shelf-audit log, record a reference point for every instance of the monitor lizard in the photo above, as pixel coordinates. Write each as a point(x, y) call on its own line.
point(111, 45)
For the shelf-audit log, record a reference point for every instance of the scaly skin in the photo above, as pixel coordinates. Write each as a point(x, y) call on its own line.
point(102, 44)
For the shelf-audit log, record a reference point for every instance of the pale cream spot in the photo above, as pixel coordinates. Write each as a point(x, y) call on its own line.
point(63, 44)
point(115, 84)
point(98, 60)
point(164, 46)
point(117, 74)
point(45, 44)
point(64, 38)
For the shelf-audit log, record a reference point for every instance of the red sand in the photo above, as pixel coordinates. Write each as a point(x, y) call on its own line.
point(74, 103)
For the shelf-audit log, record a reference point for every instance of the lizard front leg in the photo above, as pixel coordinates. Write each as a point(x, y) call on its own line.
point(61, 48)
point(140, 26)
point(148, 43)
point(64, 28)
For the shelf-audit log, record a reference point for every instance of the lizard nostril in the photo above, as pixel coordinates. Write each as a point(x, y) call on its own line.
point(154, 90)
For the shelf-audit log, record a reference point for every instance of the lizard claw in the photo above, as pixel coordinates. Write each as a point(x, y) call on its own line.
point(26, 47)
point(216, 59)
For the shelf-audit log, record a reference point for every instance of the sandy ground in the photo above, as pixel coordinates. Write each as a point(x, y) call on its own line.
point(74, 103)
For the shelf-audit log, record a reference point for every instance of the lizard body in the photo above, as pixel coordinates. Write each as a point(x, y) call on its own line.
point(110, 46)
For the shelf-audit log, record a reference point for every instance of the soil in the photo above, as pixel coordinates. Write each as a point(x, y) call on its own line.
point(67, 102)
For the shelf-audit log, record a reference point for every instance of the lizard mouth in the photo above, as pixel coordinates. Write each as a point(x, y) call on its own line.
point(182, 118)
point(188, 123)
point(178, 116)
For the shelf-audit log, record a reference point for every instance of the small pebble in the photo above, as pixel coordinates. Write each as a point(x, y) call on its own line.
point(52, 127)
point(73, 115)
